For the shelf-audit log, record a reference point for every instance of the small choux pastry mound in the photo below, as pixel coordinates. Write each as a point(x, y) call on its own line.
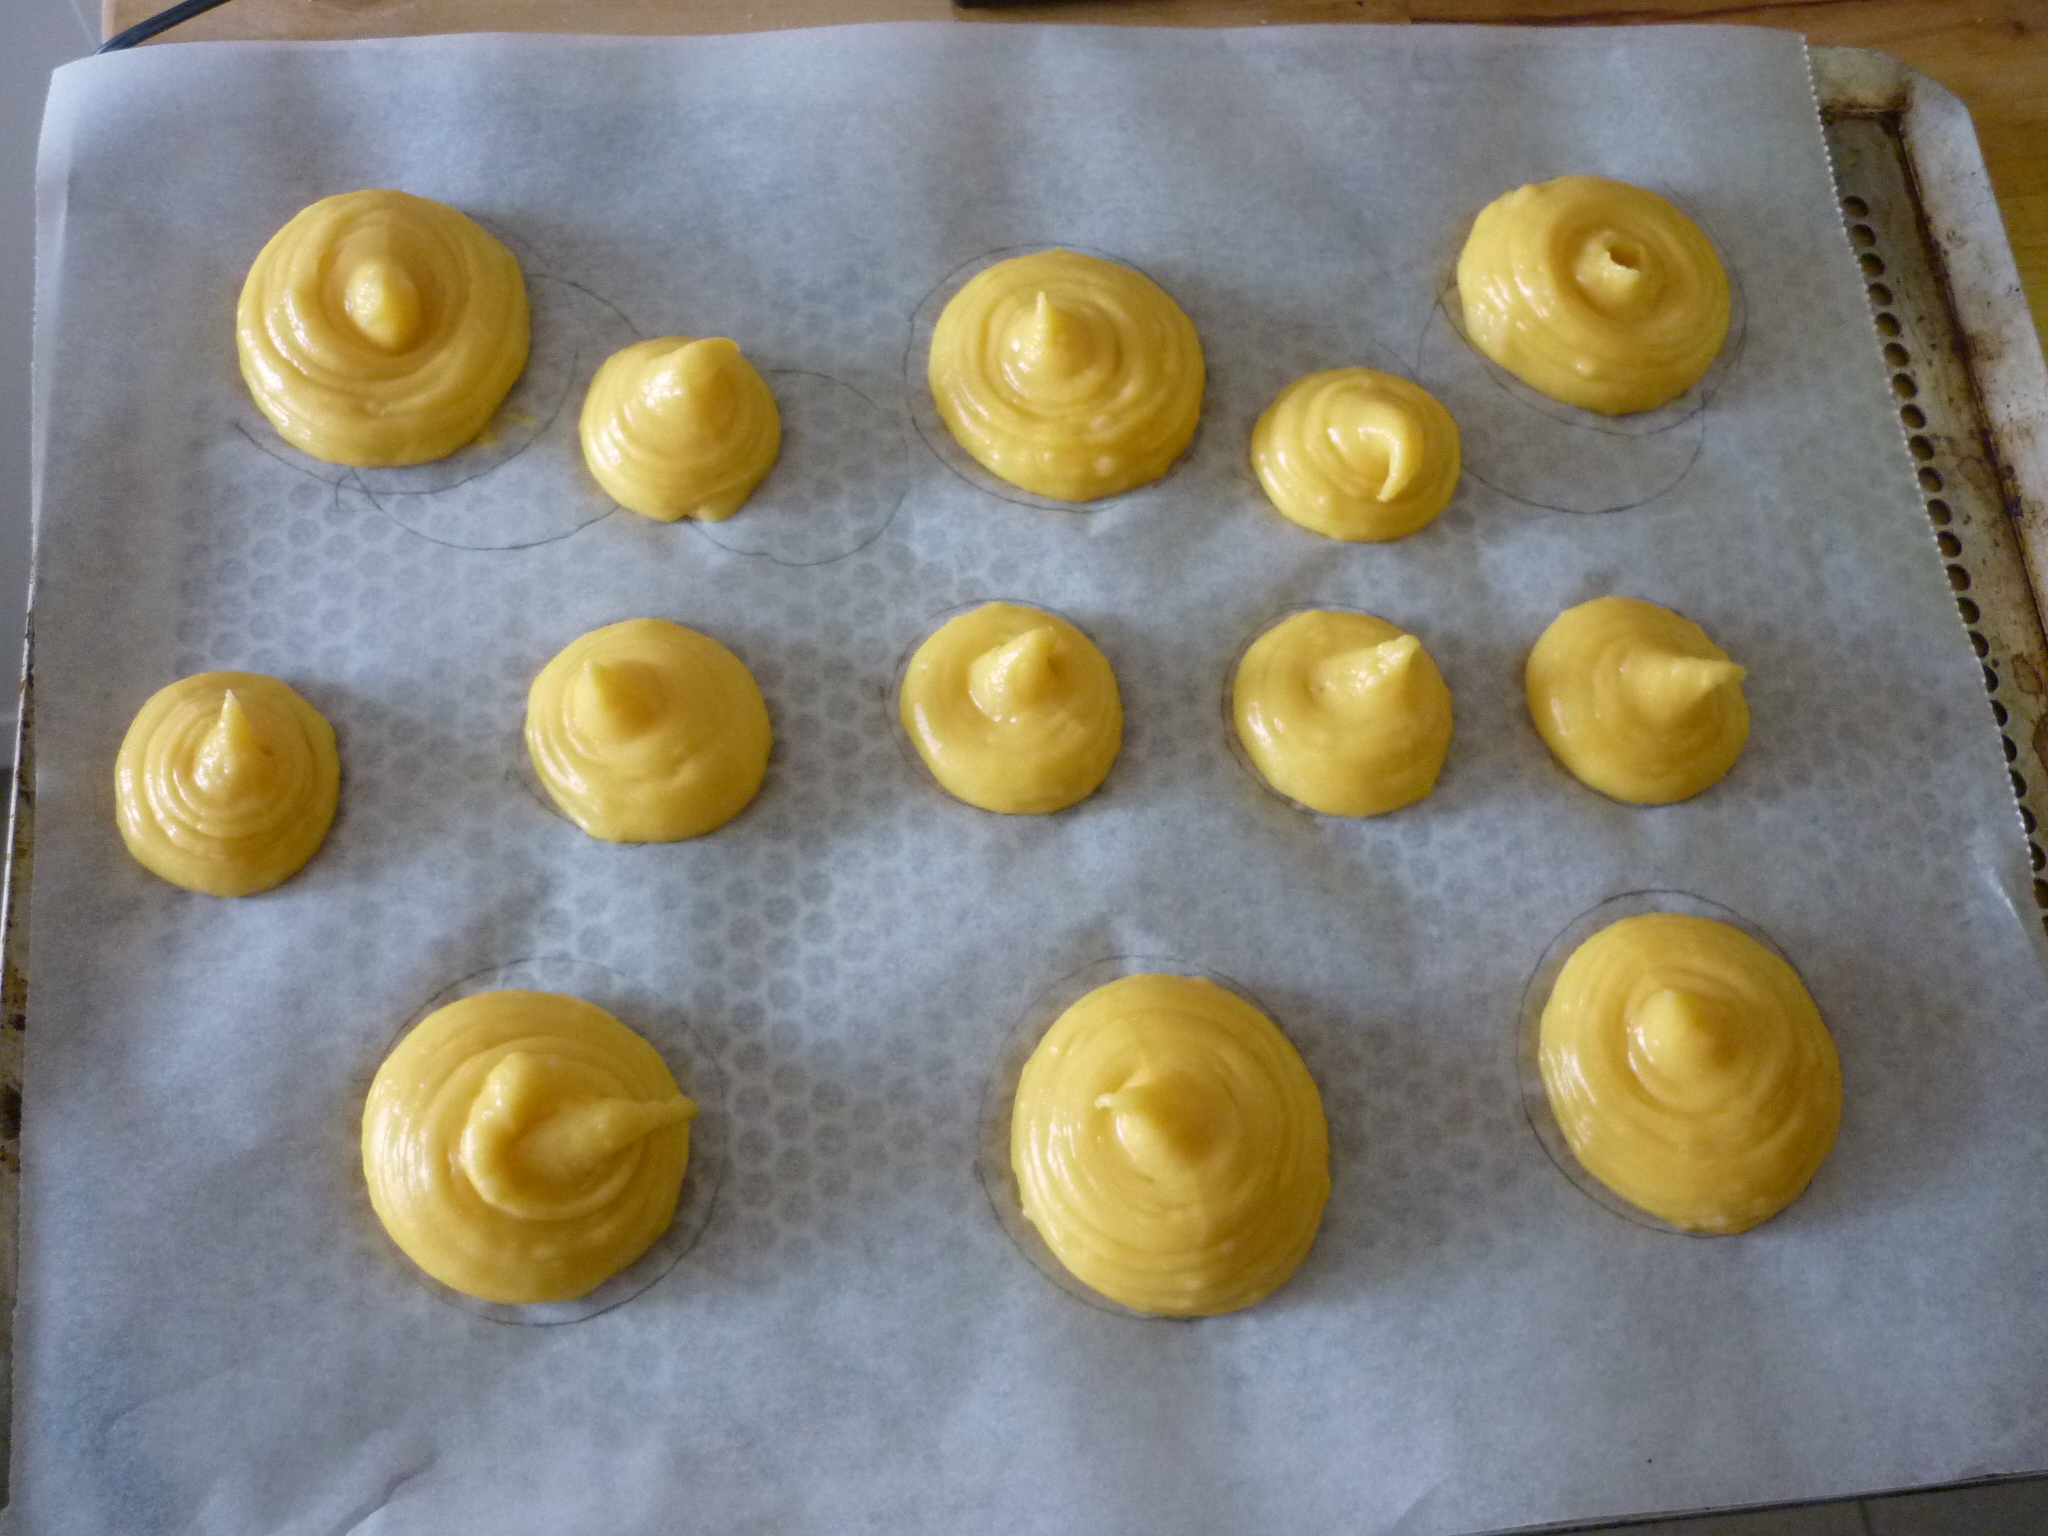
point(1357, 455)
point(1690, 1071)
point(226, 783)
point(1343, 713)
point(1170, 1147)
point(1013, 709)
point(524, 1146)
point(1067, 375)
point(379, 328)
point(1636, 701)
point(1594, 292)
point(680, 427)
point(647, 732)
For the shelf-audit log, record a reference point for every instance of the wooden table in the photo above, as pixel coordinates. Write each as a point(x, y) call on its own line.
point(1992, 53)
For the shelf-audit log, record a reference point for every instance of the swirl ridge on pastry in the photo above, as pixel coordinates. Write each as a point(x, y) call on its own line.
point(226, 783)
point(680, 427)
point(1012, 709)
point(647, 732)
point(1636, 701)
point(1690, 1071)
point(1170, 1147)
point(1067, 375)
point(1594, 292)
point(523, 1146)
point(379, 329)
point(1354, 454)
point(1343, 712)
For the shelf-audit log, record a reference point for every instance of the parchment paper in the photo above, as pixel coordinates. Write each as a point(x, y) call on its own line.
point(214, 1334)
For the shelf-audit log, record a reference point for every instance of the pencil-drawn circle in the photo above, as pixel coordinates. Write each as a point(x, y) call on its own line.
point(696, 1072)
point(931, 427)
point(837, 482)
point(992, 1158)
point(1558, 457)
point(1529, 1031)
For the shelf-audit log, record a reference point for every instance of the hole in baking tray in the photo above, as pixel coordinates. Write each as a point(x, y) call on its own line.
point(1862, 234)
point(1895, 355)
point(1912, 417)
point(2019, 785)
point(932, 428)
point(1880, 295)
point(1990, 680)
point(1939, 511)
point(2036, 857)
point(1958, 579)
point(1983, 648)
point(1920, 447)
point(1999, 712)
point(1855, 207)
point(1930, 480)
point(2041, 893)
point(992, 1160)
point(2028, 820)
point(1529, 1030)
point(1948, 544)
point(1903, 386)
point(645, 1011)
point(1872, 265)
point(1887, 324)
point(2012, 751)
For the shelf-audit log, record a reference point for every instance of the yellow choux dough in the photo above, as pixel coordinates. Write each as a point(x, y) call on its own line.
point(379, 328)
point(226, 783)
point(647, 732)
point(524, 1146)
point(1067, 375)
point(1356, 454)
point(1343, 713)
point(1594, 292)
point(1636, 701)
point(1690, 1071)
point(1170, 1147)
point(1013, 709)
point(680, 427)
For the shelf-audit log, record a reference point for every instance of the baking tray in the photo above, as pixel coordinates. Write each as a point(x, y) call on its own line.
point(1972, 392)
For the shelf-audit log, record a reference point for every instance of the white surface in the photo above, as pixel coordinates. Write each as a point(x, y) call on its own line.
point(38, 36)
point(1472, 1344)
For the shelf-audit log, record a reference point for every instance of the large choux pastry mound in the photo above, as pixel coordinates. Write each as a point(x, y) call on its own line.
point(1170, 1147)
point(1636, 701)
point(226, 783)
point(1343, 713)
point(647, 732)
point(524, 1146)
point(1689, 1071)
point(379, 328)
point(1067, 375)
point(680, 427)
point(1358, 455)
point(1595, 292)
point(1012, 709)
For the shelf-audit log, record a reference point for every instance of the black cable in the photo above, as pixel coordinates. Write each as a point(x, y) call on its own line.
point(162, 21)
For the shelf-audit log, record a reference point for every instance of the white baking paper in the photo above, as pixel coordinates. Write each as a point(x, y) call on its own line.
point(214, 1335)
